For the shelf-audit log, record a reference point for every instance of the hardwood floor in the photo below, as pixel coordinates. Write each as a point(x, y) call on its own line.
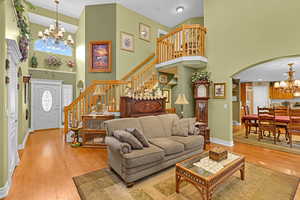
point(48, 165)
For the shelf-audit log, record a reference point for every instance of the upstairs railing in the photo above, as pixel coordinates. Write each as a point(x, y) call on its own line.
point(144, 75)
point(104, 94)
point(187, 40)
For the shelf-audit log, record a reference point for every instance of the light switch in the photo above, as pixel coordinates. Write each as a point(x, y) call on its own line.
point(225, 106)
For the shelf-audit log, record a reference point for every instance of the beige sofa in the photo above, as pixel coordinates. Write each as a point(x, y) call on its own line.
point(165, 150)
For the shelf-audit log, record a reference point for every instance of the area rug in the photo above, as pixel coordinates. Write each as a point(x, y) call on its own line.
point(268, 142)
point(260, 184)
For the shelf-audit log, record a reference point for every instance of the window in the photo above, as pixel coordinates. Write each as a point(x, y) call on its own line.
point(50, 46)
point(47, 101)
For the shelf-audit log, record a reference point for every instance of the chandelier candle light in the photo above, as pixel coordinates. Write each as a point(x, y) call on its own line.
point(290, 85)
point(56, 32)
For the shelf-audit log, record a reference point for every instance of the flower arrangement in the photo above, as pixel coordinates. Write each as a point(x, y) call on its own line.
point(53, 61)
point(200, 76)
point(71, 63)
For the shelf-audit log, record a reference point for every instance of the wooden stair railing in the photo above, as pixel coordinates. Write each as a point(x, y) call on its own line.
point(187, 40)
point(108, 93)
point(144, 75)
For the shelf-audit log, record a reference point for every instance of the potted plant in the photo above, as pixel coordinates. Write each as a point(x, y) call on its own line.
point(202, 76)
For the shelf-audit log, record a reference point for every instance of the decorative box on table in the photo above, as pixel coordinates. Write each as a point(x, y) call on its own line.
point(218, 154)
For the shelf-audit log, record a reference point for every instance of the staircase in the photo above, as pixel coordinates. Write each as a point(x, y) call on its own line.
point(187, 40)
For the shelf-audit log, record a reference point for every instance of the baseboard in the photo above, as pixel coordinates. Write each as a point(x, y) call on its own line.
point(236, 123)
point(222, 142)
point(5, 189)
point(22, 146)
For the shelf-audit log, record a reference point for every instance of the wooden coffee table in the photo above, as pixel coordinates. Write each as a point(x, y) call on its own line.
point(204, 180)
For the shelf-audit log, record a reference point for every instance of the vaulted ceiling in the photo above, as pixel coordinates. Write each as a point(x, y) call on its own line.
point(162, 11)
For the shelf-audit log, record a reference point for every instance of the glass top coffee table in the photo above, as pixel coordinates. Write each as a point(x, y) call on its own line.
point(206, 174)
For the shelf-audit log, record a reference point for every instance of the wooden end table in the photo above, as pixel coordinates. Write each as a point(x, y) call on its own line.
point(205, 181)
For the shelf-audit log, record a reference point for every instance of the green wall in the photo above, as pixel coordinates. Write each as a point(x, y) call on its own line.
point(239, 37)
point(41, 56)
point(128, 21)
point(80, 51)
point(100, 24)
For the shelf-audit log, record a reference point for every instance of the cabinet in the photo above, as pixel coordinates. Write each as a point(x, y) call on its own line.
point(130, 107)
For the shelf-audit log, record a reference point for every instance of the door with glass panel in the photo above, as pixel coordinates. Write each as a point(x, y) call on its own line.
point(46, 104)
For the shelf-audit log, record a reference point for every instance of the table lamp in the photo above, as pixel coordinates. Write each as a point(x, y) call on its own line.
point(181, 100)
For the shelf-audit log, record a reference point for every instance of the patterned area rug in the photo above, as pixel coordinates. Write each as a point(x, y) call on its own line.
point(260, 184)
point(268, 142)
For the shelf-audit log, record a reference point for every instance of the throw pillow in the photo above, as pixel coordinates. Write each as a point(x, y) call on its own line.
point(192, 122)
point(124, 136)
point(180, 127)
point(125, 148)
point(116, 145)
point(139, 135)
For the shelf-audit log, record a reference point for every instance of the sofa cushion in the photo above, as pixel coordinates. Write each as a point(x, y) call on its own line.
point(152, 127)
point(180, 127)
point(169, 146)
point(126, 137)
point(122, 124)
point(142, 157)
point(189, 142)
point(167, 122)
point(139, 135)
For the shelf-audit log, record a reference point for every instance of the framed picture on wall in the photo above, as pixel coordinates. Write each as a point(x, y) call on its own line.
point(127, 41)
point(100, 58)
point(145, 32)
point(219, 90)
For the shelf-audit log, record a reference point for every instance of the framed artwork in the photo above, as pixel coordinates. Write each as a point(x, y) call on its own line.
point(127, 41)
point(145, 32)
point(166, 94)
point(100, 57)
point(219, 90)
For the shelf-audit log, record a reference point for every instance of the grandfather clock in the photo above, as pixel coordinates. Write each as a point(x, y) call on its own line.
point(201, 95)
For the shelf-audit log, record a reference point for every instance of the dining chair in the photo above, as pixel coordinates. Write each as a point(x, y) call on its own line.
point(294, 124)
point(281, 111)
point(266, 122)
point(249, 124)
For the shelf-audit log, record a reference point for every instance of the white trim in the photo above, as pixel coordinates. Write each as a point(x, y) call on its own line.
point(222, 142)
point(22, 146)
point(5, 189)
point(236, 123)
point(49, 70)
point(182, 59)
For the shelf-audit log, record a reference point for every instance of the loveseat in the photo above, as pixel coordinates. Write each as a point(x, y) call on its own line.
point(164, 150)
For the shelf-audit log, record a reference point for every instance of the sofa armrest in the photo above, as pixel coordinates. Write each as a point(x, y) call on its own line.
point(117, 146)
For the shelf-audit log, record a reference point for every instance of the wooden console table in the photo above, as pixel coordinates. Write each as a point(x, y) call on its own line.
point(93, 131)
point(130, 107)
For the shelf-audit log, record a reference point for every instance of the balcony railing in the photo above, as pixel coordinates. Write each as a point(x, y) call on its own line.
point(187, 40)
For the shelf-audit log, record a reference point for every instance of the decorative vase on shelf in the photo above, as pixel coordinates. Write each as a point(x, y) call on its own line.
point(34, 62)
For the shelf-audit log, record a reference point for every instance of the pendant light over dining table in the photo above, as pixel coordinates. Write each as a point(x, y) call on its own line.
point(291, 85)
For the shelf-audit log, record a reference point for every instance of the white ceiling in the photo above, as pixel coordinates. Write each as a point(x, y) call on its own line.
point(163, 11)
point(270, 71)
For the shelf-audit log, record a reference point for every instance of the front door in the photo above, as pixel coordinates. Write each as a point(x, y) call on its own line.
point(46, 104)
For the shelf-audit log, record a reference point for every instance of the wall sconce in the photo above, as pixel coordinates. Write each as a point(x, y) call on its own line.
point(26, 80)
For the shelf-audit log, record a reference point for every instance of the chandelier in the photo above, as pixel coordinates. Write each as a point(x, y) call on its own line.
point(56, 32)
point(290, 85)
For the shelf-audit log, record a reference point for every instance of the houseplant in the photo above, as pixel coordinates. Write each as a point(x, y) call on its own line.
point(201, 76)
